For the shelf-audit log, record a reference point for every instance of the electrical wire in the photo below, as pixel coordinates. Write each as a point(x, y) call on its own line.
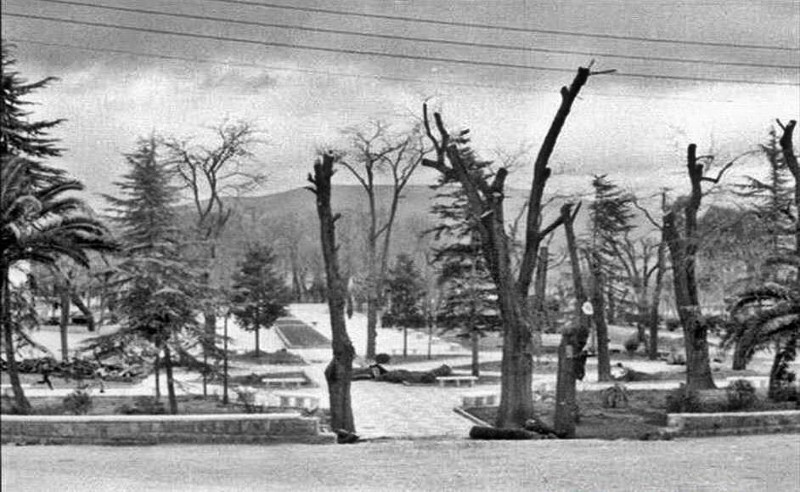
point(349, 75)
point(390, 55)
point(393, 37)
point(503, 28)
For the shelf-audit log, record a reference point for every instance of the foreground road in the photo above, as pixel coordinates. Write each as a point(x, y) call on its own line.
point(762, 463)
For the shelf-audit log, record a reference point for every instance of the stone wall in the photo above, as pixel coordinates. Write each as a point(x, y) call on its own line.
point(732, 423)
point(158, 429)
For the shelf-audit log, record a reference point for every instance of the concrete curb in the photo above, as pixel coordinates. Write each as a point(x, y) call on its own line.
point(160, 429)
point(732, 423)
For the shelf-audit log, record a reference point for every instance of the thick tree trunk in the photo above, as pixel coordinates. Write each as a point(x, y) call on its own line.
point(739, 356)
point(476, 364)
point(21, 402)
point(339, 371)
point(173, 400)
point(573, 340)
point(485, 202)
point(63, 324)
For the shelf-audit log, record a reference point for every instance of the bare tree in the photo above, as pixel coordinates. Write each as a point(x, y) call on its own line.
point(683, 241)
point(485, 195)
point(339, 372)
point(375, 151)
point(210, 174)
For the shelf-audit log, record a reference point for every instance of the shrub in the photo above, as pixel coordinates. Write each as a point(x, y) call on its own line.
point(681, 400)
point(631, 344)
point(615, 396)
point(78, 402)
point(741, 395)
point(672, 324)
point(143, 405)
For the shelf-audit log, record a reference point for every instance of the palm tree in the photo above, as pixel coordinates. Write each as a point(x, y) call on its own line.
point(769, 316)
point(39, 222)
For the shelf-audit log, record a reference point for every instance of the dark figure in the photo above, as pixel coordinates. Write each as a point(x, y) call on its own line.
point(46, 377)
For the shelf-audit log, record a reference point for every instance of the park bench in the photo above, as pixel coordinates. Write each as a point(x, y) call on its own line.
point(292, 400)
point(479, 400)
point(443, 380)
point(284, 382)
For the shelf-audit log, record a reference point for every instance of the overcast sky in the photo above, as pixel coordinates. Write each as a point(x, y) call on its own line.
point(634, 128)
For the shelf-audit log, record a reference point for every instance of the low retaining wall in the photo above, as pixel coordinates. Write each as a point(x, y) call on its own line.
point(158, 429)
point(732, 423)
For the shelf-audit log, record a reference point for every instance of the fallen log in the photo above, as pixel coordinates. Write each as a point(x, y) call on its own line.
point(495, 433)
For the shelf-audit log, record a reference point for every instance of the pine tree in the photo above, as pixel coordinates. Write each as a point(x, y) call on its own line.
point(260, 294)
point(41, 219)
point(158, 297)
point(469, 298)
point(610, 216)
point(405, 290)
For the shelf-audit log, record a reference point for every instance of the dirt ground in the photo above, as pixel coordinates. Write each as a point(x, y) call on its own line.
point(752, 463)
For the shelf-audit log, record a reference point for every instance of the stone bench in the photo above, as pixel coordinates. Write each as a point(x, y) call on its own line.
point(292, 400)
point(284, 382)
point(480, 400)
point(443, 380)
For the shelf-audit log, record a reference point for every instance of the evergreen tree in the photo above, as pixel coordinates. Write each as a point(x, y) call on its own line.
point(260, 294)
point(406, 291)
point(158, 292)
point(469, 298)
point(610, 215)
point(41, 219)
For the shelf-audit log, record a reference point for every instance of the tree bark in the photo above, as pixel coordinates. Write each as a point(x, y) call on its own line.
point(655, 300)
point(683, 248)
point(339, 371)
point(599, 317)
point(173, 400)
point(485, 204)
point(83, 308)
point(573, 339)
point(21, 402)
point(157, 371)
point(476, 364)
point(256, 332)
point(63, 324)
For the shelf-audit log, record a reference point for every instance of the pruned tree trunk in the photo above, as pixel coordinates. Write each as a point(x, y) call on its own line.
point(21, 402)
point(683, 246)
point(173, 400)
point(339, 371)
point(485, 205)
point(573, 338)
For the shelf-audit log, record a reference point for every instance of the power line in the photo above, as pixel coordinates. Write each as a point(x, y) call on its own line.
point(391, 55)
point(394, 37)
point(503, 28)
point(349, 75)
